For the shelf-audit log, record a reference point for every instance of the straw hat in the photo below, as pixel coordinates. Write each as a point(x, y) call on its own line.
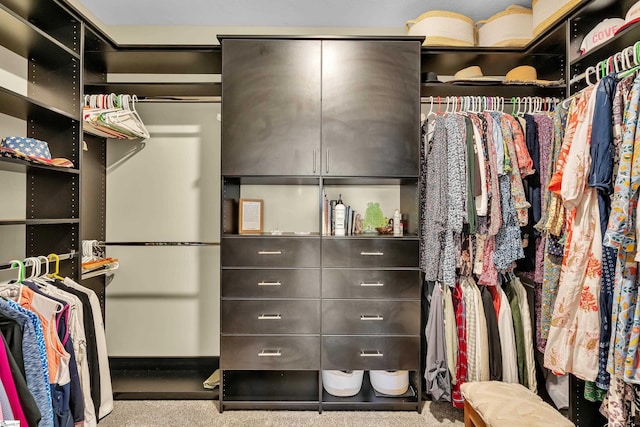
point(473, 75)
point(527, 75)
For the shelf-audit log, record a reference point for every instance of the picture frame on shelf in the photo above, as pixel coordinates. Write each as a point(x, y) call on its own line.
point(250, 216)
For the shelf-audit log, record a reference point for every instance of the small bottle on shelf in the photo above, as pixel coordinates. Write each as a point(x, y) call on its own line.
point(340, 215)
point(397, 226)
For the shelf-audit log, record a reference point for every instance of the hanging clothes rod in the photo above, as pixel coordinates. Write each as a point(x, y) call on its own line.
point(102, 244)
point(625, 60)
point(70, 255)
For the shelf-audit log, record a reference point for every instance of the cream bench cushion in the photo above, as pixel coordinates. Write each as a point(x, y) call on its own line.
point(503, 404)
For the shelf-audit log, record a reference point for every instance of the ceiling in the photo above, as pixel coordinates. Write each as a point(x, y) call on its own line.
point(283, 13)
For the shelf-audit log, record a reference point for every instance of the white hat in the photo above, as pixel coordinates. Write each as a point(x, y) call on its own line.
point(602, 32)
point(633, 16)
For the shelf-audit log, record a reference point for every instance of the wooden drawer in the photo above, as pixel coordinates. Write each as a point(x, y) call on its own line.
point(269, 352)
point(272, 283)
point(365, 283)
point(271, 317)
point(270, 252)
point(370, 252)
point(377, 352)
point(355, 317)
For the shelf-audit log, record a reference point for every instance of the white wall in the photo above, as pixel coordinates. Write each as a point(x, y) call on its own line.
point(13, 76)
point(164, 301)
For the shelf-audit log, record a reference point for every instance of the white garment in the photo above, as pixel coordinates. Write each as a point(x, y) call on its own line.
point(507, 340)
point(482, 337)
point(523, 303)
point(76, 331)
point(450, 332)
point(106, 391)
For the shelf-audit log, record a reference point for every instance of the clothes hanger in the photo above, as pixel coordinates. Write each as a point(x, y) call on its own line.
point(56, 258)
point(20, 265)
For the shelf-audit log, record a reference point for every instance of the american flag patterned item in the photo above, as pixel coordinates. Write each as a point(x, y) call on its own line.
point(31, 149)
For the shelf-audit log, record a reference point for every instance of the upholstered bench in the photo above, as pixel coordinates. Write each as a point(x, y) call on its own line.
point(498, 404)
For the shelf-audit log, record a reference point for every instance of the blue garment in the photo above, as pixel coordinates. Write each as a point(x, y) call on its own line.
point(35, 357)
point(609, 257)
point(60, 399)
point(7, 413)
point(601, 172)
point(534, 180)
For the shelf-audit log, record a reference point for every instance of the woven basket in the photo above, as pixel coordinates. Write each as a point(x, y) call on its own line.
point(512, 27)
point(548, 12)
point(443, 28)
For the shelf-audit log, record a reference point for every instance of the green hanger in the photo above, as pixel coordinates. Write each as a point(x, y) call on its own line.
point(20, 265)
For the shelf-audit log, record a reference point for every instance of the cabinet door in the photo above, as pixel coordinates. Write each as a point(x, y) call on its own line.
point(370, 108)
point(271, 107)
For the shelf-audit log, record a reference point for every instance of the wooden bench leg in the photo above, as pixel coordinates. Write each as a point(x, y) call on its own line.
point(471, 417)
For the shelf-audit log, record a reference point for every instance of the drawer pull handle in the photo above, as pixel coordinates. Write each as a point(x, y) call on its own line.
point(371, 353)
point(269, 284)
point(270, 317)
point(269, 252)
point(371, 317)
point(371, 284)
point(371, 253)
point(269, 353)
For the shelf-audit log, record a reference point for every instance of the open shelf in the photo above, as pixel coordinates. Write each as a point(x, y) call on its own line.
point(49, 221)
point(168, 90)
point(157, 59)
point(50, 17)
point(22, 107)
point(270, 388)
point(28, 41)
point(162, 378)
point(16, 165)
point(367, 399)
point(451, 89)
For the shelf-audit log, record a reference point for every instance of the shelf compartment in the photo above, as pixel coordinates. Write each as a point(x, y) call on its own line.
point(158, 59)
point(51, 18)
point(29, 41)
point(447, 61)
point(287, 388)
point(16, 165)
point(22, 107)
point(162, 378)
point(52, 195)
point(627, 37)
point(368, 400)
point(449, 89)
point(47, 236)
point(157, 90)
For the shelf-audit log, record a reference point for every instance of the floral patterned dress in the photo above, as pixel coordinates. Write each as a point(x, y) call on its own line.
point(574, 333)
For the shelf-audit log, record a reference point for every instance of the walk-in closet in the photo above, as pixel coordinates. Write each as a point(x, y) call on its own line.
point(350, 220)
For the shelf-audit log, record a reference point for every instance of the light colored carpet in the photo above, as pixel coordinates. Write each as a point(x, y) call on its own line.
point(196, 413)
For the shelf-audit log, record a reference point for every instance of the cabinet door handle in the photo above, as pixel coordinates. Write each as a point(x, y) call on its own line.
point(270, 317)
point(371, 353)
point(371, 253)
point(270, 353)
point(371, 317)
point(269, 252)
point(269, 284)
point(327, 162)
point(314, 160)
point(371, 284)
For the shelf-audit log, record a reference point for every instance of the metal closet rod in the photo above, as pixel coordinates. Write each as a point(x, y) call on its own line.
point(158, 244)
point(72, 254)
